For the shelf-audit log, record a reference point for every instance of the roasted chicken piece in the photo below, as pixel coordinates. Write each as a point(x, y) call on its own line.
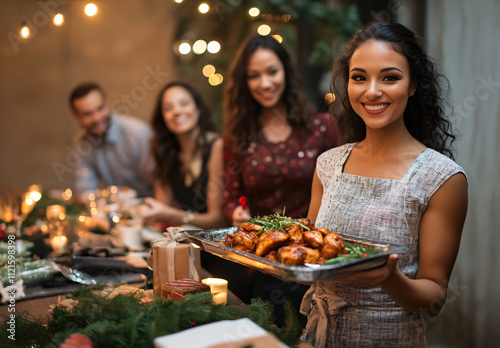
point(270, 240)
point(324, 231)
point(251, 227)
point(321, 261)
point(246, 241)
point(298, 255)
point(295, 234)
point(313, 238)
point(308, 223)
point(334, 245)
point(272, 255)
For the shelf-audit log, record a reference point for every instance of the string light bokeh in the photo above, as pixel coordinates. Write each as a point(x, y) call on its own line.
point(186, 47)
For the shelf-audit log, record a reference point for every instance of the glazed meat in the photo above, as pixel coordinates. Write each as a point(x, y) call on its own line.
point(251, 227)
point(295, 234)
point(272, 255)
point(246, 241)
point(313, 238)
point(324, 231)
point(270, 240)
point(334, 245)
point(308, 223)
point(287, 240)
point(297, 255)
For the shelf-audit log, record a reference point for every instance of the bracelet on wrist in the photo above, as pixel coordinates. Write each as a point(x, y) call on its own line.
point(188, 218)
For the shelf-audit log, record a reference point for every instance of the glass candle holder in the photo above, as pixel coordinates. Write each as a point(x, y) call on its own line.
point(59, 242)
point(55, 212)
point(218, 288)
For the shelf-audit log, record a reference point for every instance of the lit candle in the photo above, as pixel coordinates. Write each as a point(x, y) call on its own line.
point(55, 212)
point(8, 213)
point(27, 205)
point(218, 288)
point(58, 243)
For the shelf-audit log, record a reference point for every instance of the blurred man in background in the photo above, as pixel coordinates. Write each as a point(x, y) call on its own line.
point(111, 149)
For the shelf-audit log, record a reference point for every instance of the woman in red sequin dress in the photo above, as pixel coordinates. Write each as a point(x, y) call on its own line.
point(272, 137)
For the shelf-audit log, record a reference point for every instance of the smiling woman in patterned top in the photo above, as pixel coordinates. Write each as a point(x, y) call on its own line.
point(272, 137)
point(392, 183)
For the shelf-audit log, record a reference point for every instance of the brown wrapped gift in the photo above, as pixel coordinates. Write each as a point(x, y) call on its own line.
point(172, 259)
point(178, 289)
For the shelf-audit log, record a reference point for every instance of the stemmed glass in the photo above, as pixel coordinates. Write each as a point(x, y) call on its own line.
point(8, 208)
point(16, 210)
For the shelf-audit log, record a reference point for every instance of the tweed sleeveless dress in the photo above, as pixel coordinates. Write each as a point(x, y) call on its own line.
point(385, 210)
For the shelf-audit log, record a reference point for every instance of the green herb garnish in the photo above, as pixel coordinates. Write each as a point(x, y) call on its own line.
point(276, 222)
point(354, 252)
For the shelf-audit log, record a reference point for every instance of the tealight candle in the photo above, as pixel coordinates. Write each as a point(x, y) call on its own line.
point(58, 243)
point(218, 288)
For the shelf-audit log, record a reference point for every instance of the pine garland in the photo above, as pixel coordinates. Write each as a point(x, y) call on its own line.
point(29, 332)
point(123, 321)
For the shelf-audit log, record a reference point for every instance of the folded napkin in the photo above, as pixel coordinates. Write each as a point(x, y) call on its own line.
point(222, 334)
point(91, 244)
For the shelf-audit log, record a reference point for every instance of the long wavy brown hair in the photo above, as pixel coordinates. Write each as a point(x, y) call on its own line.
point(241, 110)
point(165, 146)
point(424, 115)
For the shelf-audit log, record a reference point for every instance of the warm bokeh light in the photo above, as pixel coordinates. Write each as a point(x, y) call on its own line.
point(67, 194)
point(213, 47)
point(25, 32)
point(203, 8)
point(329, 98)
point(90, 9)
point(27, 204)
point(58, 19)
point(184, 48)
point(264, 29)
point(215, 79)
point(208, 70)
point(254, 12)
point(278, 38)
point(200, 46)
point(35, 192)
point(178, 1)
point(35, 187)
point(35, 196)
point(8, 214)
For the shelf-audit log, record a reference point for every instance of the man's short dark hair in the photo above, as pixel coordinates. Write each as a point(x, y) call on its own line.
point(83, 89)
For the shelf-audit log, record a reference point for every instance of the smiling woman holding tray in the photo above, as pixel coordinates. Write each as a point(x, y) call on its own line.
point(391, 183)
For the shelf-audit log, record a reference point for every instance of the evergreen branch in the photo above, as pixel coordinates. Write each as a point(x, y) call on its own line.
point(354, 251)
point(123, 321)
point(276, 222)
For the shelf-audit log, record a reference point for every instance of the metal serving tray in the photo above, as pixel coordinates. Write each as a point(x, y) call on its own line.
point(209, 240)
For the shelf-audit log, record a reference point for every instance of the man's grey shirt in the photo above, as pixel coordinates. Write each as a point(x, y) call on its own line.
point(122, 158)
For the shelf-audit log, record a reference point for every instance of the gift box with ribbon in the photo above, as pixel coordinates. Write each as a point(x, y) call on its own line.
point(178, 289)
point(172, 258)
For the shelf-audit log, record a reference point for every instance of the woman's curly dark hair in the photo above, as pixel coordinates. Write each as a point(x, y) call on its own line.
point(165, 146)
point(425, 111)
point(241, 110)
